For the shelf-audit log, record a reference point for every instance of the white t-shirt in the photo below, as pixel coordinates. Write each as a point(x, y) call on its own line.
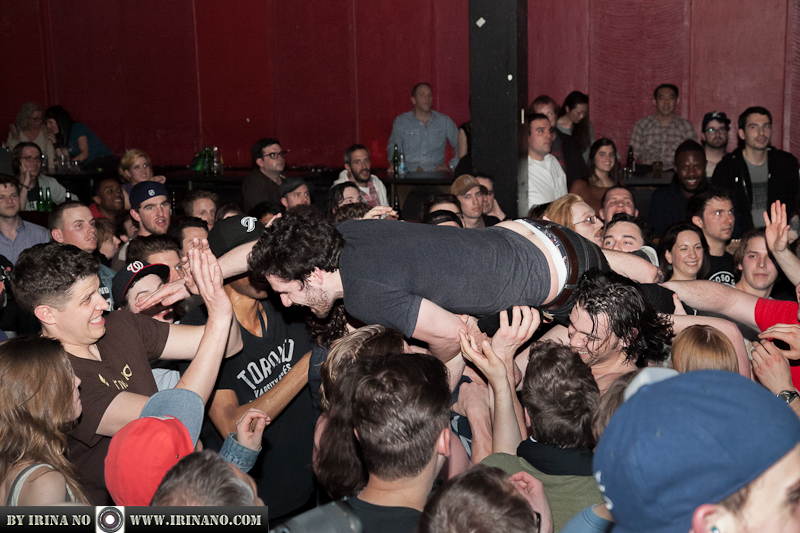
point(546, 182)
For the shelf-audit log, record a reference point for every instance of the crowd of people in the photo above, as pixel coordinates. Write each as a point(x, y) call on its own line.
point(576, 369)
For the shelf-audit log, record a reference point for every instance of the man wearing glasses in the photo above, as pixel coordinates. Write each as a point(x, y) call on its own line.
point(546, 179)
point(714, 135)
point(757, 174)
point(26, 163)
point(263, 183)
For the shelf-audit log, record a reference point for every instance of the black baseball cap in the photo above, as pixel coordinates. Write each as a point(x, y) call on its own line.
point(716, 115)
point(231, 232)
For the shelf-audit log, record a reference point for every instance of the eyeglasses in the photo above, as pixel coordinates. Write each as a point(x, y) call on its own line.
point(32, 158)
point(276, 155)
point(712, 131)
point(591, 220)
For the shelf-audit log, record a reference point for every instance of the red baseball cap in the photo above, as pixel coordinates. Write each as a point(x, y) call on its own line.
point(139, 456)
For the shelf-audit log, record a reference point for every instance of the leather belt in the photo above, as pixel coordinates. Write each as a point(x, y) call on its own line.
point(573, 268)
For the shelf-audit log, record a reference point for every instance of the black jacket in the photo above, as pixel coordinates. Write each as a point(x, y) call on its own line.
point(732, 174)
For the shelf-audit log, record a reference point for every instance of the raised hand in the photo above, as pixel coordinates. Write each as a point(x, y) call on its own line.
point(486, 361)
point(771, 367)
point(524, 323)
point(208, 278)
point(533, 491)
point(777, 227)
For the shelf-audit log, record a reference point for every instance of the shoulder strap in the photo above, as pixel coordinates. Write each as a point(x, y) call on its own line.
point(16, 486)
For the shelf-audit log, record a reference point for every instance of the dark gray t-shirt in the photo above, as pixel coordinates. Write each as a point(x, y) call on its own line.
point(388, 267)
point(759, 178)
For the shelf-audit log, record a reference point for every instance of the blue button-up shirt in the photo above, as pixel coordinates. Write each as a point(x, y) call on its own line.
point(28, 235)
point(423, 146)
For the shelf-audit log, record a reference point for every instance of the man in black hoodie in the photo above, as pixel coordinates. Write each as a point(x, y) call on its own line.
point(757, 174)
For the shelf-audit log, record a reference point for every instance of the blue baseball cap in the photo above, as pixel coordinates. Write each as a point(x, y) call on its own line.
point(688, 440)
point(146, 190)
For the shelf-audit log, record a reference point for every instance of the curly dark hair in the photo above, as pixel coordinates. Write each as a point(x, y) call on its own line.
point(646, 335)
point(46, 274)
point(295, 245)
point(326, 330)
point(354, 211)
point(560, 395)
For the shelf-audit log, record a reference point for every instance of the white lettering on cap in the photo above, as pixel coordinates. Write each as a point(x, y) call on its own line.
point(151, 192)
point(249, 223)
point(135, 267)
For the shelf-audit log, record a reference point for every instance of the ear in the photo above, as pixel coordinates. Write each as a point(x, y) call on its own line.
point(96, 199)
point(634, 332)
point(677, 101)
point(284, 203)
point(260, 162)
point(355, 432)
point(57, 235)
point(739, 267)
point(44, 314)
point(636, 212)
point(655, 102)
point(135, 216)
point(316, 277)
point(697, 221)
point(348, 169)
point(527, 418)
point(704, 518)
point(443, 443)
point(741, 133)
point(668, 256)
point(602, 214)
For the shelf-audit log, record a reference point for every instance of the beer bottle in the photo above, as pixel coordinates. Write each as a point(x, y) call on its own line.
point(40, 203)
point(402, 166)
point(48, 201)
point(396, 160)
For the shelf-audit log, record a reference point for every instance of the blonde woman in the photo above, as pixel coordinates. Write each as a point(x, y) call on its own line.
point(135, 167)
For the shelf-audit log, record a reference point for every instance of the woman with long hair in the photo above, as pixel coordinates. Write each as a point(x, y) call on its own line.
point(602, 173)
point(75, 139)
point(574, 120)
point(39, 400)
point(683, 253)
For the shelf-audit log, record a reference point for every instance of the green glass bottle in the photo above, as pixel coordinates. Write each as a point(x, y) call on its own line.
point(40, 203)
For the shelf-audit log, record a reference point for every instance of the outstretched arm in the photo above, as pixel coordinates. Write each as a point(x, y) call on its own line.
point(717, 297)
point(632, 266)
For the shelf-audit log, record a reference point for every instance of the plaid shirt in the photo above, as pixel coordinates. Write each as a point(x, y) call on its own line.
point(653, 141)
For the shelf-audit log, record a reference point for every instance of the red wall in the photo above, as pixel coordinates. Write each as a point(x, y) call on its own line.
point(170, 77)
